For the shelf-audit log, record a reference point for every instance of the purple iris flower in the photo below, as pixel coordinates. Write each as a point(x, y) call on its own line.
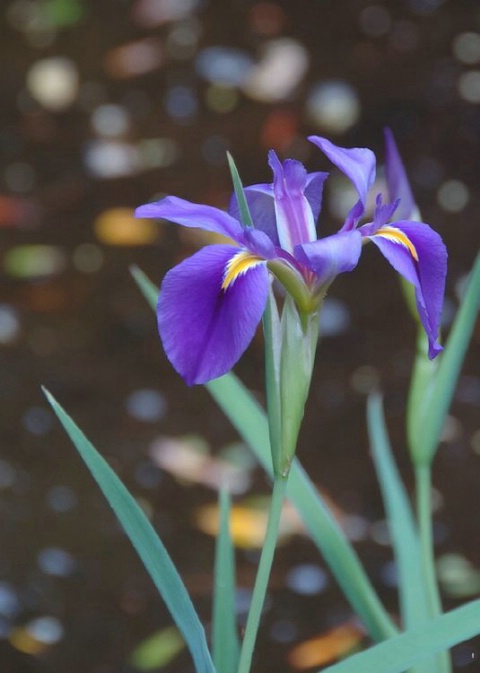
point(211, 303)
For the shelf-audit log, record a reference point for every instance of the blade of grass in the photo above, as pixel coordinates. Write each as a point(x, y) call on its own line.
point(413, 593)
point(413, 597)
point(408, 649)
point(145, 541)
point(225, 643)
point(244, 210)
point(145, 285)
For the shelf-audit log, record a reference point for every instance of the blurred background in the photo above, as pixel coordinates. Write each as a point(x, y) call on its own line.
point(106, 105)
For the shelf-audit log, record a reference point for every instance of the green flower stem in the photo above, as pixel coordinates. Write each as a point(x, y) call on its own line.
point(263, 574)
point(423, 481)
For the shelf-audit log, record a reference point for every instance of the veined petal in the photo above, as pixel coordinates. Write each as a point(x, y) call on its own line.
point(208, 310)
point(382, 215)
point(262, 209)
point(294, 216)
point(314, 192)
point(358, 164)
point(397, 181)
point(419, 255)
point(190, 214)
point(331, 255)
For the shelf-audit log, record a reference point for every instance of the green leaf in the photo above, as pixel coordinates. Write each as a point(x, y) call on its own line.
point(146, 542)
point(225, 643)
point(413, 598)
point(250, 421)
point(158, 650)
point(433, 386)
point(145, 285)
point(244, 210)
point(408, 649)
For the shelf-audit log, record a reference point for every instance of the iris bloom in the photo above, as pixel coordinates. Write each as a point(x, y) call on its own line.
point(211, 303)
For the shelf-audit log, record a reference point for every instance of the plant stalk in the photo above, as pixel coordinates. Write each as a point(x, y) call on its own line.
point(263, 574)
point(423, 481)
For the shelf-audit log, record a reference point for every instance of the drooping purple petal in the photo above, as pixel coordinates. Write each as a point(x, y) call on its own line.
point(190, 214)
point(358, 164)
point(294, 217)
point(331, 255)
point(397, 181)
point(427, 274)
point(204, 328)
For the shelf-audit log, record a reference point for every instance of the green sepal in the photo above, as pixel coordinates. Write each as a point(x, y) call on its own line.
point(273, 344)
point(299, 343)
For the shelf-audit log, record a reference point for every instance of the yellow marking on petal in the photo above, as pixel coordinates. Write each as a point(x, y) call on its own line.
point(397, 236)
point(238, 265)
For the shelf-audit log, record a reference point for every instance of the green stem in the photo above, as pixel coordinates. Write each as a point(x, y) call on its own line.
point(263, 574)
point(423, 481)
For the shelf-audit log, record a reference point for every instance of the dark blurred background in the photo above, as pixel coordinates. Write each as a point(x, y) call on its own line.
point(106, 105)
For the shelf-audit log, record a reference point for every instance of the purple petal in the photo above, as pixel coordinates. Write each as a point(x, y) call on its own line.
point(192, 215)
point(331, 255)
point(358, 164)
point(204, 328)
point(397, 181)
point(294, 216)
point(262, 209)
point(427, 274)
point(259, 243)
point(382, 215)
point(314, 192)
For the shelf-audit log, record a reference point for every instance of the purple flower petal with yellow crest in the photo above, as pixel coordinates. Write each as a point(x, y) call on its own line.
point(209, 308)
point(420, 256)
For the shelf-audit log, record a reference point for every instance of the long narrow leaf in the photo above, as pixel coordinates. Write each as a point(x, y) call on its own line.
point(244, 210)
point(413, 597)
point(145, 285)
point(408, 649)
point(437, 385)
point(250, 421)
point(146, 542)
point(225, 643)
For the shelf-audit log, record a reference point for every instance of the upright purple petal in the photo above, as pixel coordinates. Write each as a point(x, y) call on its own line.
point(295, 223)
point(204, 328)
point(419, 255)
point(192, 215)
point(383, 214)
point(331, 255)
point(314, 192)
point(397, 181)
point(262, 209)
point(358, 164)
